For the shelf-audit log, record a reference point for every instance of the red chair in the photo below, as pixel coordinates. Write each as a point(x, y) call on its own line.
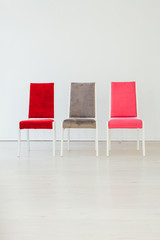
point(123, 112)
point(41, 111)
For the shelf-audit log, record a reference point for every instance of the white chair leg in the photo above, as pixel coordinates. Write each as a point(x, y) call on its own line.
point(143, 141)
point(107, 142)
point(28, 143)
point(97, 152)
point(109, 138)
point(68, 131)
point(54, 139)
point(19, 143)
point(62, 137)
point(138, 139)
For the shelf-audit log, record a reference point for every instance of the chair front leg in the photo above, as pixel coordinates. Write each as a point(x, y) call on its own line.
point(28, 143)
point(62, 138)
point(97, 152)
point(138, 139)
point(19, 143)
point(54, 139)
point(68, 131)
point(109, 138)
point(107, 142)
point(143, 141)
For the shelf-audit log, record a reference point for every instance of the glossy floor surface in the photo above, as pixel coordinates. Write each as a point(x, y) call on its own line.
point(79, 196)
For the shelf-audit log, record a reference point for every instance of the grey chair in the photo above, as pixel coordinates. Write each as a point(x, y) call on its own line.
point(83, 111)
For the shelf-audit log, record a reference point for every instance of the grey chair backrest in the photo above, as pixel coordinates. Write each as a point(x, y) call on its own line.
point(82, 100)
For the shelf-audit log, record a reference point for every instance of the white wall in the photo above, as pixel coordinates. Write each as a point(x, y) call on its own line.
point(87, 40)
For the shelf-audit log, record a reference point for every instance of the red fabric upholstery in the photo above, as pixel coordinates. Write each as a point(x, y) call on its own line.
point(41, 104)
point(125, 123)
point(123, 99)
point(36, 124)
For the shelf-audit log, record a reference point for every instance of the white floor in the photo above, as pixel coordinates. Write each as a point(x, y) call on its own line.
point(79, 196)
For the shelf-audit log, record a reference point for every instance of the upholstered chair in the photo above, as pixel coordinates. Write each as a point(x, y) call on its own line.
point(41, 112)
point(83, 111)
point(124, 111)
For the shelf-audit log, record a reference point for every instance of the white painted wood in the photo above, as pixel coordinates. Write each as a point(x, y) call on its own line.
point(69, 100)
point(138, 139)
point(109, 138)
point(107, 145)
point(143, 140)
point(54, 139)
point(106, 138)
point(68, 133)
point(62, 139)
point(28, 142)
point(96, 140)
point(108, 132)
point(137, 101)
point(110, 100)
point(19, 143)
point(95, 102)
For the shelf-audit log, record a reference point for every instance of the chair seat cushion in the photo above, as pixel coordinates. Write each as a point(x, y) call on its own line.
point(36, 124)
point(79, 123)
point(125, 123)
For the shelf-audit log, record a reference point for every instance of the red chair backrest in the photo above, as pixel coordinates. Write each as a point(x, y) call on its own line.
point(123, 99)
point(41, 102)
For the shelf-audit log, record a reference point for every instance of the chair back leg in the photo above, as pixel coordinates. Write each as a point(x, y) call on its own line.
point(54, 139)
point(68, 132)
point(97, 152)
point(109, 138)
point(19, 143)
point(28, 143)
point(143, 141)
point(138, 139)
point(62, 138)
point(107, 142)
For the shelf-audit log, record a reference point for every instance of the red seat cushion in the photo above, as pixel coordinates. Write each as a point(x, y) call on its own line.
point(36, 124)
point(125, 123)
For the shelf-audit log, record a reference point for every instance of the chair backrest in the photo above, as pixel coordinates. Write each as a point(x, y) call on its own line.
point(82, 100)
point(41, 102)
point(123, 99)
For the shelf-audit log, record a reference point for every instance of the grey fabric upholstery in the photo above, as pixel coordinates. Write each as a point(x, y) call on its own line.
point(82, 100)
point(79, 123)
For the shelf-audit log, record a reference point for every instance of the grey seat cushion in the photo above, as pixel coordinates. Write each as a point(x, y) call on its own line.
point(79, 123)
